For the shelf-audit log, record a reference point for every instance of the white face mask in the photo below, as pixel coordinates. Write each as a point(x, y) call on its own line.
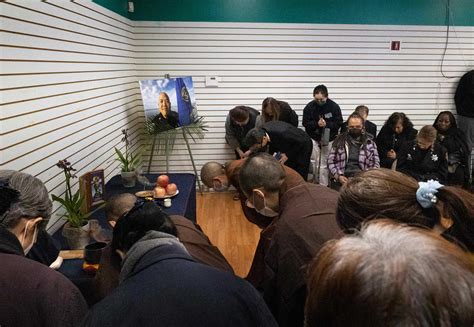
point(35, 234)
point(265, 211)
point(219, 186)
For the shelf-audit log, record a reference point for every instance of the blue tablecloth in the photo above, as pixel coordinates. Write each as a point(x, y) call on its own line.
point(183, 204)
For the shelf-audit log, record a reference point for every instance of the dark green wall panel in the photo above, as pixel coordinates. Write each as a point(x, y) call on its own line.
point(401, 12)
point(118, 6)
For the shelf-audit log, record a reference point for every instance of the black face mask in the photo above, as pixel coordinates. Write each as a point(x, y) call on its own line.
point(355, 132)
point(321, 103)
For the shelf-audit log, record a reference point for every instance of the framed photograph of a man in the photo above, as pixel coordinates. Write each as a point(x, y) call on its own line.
point(169, 103)
point(92, 186)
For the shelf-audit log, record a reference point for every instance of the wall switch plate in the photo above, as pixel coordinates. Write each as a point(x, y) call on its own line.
point(212, 81)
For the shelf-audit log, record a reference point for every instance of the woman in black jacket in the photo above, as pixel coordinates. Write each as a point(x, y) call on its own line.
point(454, 140)
point(396, 131)
point(273, 109)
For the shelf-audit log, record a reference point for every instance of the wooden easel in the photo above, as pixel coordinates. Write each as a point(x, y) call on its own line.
point(167, 156)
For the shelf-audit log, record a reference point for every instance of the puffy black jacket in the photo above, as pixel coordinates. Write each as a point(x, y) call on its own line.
point(464, 97)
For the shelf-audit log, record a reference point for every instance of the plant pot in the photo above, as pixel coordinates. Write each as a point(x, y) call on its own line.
point(77, 237)
point(129, 178)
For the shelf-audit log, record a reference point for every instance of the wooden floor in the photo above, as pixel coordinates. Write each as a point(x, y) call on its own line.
point(222, 220)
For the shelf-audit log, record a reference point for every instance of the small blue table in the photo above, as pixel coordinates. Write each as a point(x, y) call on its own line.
point(183, 204)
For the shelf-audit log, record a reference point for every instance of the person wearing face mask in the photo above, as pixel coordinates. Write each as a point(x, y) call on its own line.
point(31, 294)
point(303, 219)
point(351, 152)
point(370, 127)
point(454, 140)
point(424, 158)
point(219, 177)
point(322, 119)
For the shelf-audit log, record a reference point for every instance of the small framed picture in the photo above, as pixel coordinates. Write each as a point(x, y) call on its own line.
point(92, 187)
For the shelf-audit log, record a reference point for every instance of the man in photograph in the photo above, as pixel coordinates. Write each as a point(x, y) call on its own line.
point(166, 119)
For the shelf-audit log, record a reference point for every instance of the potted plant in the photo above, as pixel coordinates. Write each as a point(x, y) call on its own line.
point(76, 229)
point(129, 162)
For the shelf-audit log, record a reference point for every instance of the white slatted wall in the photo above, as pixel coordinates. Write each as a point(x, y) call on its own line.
point(69, 73)
point(286, 61)
point(68, 88)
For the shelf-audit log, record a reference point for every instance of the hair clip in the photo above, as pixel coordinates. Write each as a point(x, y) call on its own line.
point(426, 193)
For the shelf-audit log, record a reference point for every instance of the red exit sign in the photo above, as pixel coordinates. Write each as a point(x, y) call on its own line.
point(395, 46)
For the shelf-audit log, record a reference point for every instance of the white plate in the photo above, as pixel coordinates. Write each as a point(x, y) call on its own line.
point(167, 196)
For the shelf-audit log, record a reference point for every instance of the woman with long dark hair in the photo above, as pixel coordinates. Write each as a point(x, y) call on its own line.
point(454, 140)
point(391, 194)
point(273, 109)
point(396, 131)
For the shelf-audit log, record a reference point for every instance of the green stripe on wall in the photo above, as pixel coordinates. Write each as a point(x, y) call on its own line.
point(118, 6)
point(384, 12)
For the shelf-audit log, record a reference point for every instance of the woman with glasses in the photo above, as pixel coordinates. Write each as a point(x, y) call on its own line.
point(424, 158)
point(161, 285)
point(454, 140)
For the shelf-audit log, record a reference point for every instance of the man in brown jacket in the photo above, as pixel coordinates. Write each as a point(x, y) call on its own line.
point(193, 238)
point(303, 219)
point(220, 177)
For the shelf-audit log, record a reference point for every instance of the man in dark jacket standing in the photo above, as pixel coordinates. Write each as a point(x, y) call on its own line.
point(464, 99)
point(32, 294)
point(239, 122)
point(290, 145)
point(303, 219)
point(322, 119)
